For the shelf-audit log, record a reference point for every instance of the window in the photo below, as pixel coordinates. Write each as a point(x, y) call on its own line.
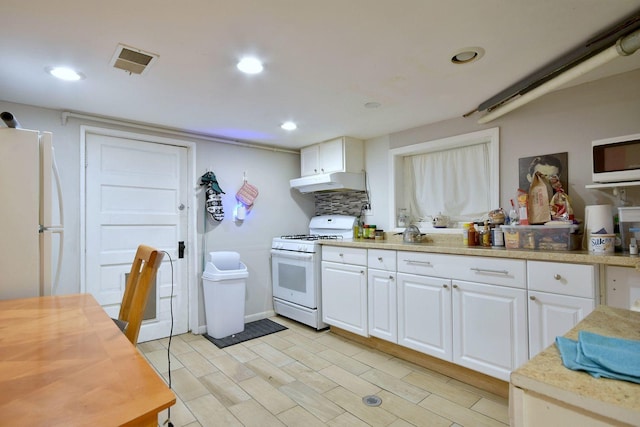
point(456, 176)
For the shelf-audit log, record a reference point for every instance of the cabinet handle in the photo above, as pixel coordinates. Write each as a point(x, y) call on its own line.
point(454, 286)
point(361, 271)
point(341, 255)
point(485, 270)
point(557, 276)
point(532, 298)
point(445, 286)
point(380, 258)
point(390, 277)
point(413, 261)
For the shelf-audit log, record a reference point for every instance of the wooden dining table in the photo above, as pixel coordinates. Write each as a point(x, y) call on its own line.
point(64, 362)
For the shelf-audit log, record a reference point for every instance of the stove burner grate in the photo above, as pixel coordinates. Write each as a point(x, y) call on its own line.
point(310, 237)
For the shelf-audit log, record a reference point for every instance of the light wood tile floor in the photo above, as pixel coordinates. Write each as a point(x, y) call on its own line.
point(300, 377)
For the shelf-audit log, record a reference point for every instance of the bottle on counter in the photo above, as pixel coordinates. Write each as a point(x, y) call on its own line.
point(473, 235)
point(486, 235)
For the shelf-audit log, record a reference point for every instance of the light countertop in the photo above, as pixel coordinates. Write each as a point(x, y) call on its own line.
point(452, 244)
point(546, 375)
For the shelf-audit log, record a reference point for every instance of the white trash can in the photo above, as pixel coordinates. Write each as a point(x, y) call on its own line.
point(224, 283)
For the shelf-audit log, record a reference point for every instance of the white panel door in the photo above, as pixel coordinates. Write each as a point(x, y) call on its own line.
point(489, 328)
point(382, 307)
point(136, 194)
point(344, 297)
point(424, 314)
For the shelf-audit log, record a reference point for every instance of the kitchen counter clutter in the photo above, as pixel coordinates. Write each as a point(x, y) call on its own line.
point(544, 392)
point(452, 244)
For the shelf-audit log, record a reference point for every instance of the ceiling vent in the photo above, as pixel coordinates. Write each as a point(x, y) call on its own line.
point(132, 60)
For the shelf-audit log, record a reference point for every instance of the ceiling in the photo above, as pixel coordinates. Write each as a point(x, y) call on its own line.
point(324, 60)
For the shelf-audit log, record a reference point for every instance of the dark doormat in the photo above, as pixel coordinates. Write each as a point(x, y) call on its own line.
point(252, 330)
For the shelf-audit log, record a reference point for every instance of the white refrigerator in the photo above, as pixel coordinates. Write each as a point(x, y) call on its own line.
point(31, 215)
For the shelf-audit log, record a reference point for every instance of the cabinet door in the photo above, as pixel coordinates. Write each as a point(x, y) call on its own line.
point(310, 160)
point(551, 315)
point(623, 287)
point(332, 156)
point(382, 306)
point(344, 297)
point(489, 328)
point(424, 314)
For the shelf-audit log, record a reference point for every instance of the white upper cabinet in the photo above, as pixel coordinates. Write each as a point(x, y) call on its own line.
point(344, 154)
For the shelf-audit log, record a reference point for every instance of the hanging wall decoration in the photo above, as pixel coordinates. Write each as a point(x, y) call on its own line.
point(245, 196)
point(213, 201)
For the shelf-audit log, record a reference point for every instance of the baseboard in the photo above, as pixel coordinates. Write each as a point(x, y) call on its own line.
point(460, 373)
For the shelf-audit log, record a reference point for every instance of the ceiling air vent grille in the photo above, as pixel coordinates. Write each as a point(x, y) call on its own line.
point(132, 60)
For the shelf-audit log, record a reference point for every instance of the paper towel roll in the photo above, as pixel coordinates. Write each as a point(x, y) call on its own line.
point(596, 219)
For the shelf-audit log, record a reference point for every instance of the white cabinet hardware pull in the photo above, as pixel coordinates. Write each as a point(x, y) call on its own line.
point(485, 270)
point(557, 276)
point(415, 261)
point(532, 298)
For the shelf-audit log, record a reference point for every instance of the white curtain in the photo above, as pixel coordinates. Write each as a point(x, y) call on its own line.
point(450, 181)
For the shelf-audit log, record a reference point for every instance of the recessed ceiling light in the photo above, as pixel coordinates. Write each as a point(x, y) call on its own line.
point(65, 73)
point(250, 65)
point(372, 104)
point(467, 55)
point(289, 126)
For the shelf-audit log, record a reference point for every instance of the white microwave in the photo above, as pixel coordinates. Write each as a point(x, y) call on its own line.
point(616, 159)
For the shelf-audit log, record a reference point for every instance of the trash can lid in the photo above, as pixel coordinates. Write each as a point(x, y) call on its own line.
point(225, 260)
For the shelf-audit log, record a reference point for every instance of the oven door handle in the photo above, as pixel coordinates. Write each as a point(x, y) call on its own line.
point(291, 254)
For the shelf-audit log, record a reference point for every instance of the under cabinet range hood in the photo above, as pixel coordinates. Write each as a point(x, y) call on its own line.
point(336, 181)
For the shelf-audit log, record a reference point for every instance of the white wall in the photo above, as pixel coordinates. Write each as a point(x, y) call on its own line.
point(563, 121)
point(277, 210)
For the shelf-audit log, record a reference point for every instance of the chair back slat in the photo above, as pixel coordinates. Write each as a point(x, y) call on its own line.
point(134, 301)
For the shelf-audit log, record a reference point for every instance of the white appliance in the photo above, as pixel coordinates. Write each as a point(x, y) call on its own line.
point(336, 181)
point(616, 159)
point(295, 268)
point(29, 265)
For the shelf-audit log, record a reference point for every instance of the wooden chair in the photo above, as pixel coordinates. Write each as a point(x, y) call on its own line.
point(134, 301)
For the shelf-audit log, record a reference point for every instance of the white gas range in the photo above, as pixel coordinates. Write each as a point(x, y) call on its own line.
point(295, 268)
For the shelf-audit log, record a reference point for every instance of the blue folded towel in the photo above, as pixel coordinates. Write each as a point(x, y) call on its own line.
point(601, 356)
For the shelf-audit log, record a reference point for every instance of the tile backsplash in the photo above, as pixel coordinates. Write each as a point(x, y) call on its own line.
point(342, 203)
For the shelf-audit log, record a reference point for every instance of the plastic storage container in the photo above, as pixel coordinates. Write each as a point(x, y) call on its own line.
point(542, 237)
point(224, 283)
point(629, 218)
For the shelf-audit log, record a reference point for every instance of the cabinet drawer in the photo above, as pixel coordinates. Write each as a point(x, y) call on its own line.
point(426, 264)
point(344, 255)
point(381, 259)
point(495, 271)
point(560, 278)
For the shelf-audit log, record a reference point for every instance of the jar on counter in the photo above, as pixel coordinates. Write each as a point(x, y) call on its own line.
point(379, 234)
point(365, 231)
point(465, 233)
point(372, 231)
point(403, 218)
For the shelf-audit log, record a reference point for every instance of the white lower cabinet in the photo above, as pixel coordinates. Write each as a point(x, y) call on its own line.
point(553, 315)
point(344, 289)
point(383, 309)
point(482, 326)
point(424, 314)
point(489, 327)
point(560, 296)
point(381, 294)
